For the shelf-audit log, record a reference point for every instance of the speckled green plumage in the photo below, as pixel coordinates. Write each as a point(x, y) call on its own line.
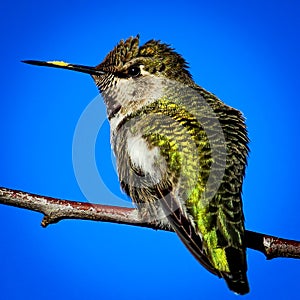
point(219, 222)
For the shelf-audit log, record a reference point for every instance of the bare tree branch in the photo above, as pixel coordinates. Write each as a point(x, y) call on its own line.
point(55, 210)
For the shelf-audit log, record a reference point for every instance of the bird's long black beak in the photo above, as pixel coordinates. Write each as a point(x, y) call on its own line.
point(64, 65)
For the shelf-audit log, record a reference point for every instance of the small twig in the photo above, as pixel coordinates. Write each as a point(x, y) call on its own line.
point(55, 210)
point(271, 246)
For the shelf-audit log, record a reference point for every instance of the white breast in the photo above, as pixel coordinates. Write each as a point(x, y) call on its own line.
point(149, 160)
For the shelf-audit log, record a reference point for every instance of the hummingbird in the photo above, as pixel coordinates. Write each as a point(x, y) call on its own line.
point(181, 152)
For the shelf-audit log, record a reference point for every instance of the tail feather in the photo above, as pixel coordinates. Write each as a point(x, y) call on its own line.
point(237, 282)
point(237, 279)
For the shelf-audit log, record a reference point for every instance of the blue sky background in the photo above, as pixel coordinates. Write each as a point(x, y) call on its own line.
point(247, 54)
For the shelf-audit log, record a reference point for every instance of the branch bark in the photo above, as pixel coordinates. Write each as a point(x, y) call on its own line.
point(55, 210)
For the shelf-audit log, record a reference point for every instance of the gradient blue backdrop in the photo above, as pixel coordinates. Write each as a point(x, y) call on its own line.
point(247, 54)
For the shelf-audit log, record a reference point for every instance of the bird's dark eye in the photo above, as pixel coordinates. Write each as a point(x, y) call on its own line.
point(134, 71)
